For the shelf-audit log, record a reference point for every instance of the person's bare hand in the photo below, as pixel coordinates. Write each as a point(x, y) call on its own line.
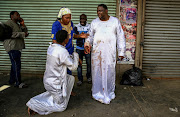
point(26, 34)
point(83, 35)
point(21, 21)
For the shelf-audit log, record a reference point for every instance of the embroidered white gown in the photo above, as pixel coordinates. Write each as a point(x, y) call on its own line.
point(56, 81)
point(104, 37)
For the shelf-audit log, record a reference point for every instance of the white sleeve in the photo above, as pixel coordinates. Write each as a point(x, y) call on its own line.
point(72, 61)
point(121, 41)
point(89, 40)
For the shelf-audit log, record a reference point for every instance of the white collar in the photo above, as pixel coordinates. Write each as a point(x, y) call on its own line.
point(83, 26)
point(56, 45)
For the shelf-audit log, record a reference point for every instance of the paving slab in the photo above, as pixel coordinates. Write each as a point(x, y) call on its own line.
point(157, 98)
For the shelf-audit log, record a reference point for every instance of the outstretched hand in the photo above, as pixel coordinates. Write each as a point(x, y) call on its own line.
point(83, 35)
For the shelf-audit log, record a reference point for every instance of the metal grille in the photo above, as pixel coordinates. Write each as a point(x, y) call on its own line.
point(161, 54)
point(39, 16)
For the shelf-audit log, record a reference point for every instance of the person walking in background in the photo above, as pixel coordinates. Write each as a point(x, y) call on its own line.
point(83, 27)
point(14, 46)
point(64, 23)
point(104, 34)
point(57, 82)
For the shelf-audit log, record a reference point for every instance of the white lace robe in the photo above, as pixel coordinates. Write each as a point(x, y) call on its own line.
point(104, 37)
point(56, 81)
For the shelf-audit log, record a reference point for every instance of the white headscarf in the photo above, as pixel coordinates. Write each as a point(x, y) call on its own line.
point(63, 11)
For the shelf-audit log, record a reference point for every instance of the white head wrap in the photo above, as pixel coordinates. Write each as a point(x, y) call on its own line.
point(63, 11)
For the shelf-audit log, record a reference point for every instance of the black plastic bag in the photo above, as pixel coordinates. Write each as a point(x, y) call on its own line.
point(5, 32)
point(132, 77)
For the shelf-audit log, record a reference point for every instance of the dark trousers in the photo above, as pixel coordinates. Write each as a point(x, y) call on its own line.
point(15, 74)
point(69, 72)
point(88, 63)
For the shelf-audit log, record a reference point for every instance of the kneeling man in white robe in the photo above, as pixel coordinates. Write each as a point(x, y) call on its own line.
point(56, 80)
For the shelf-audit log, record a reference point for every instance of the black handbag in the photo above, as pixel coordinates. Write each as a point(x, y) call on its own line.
point(5, 32)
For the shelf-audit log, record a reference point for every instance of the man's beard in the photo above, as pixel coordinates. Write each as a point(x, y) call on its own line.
point(102, 18)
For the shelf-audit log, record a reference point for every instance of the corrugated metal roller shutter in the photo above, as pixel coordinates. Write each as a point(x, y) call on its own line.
point(161, 54)
point(39, 16)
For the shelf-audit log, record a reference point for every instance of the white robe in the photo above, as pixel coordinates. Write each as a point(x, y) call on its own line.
point(104, 37)
point(56, 81)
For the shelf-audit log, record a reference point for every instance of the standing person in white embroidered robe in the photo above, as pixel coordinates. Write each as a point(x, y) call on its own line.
point(104, 35)
point(56, 80)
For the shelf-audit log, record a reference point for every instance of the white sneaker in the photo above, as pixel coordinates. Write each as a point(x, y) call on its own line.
point(79, 83)
point(89, 80)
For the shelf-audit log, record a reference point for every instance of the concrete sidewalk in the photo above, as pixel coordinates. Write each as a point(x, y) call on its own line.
point(157, 98)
